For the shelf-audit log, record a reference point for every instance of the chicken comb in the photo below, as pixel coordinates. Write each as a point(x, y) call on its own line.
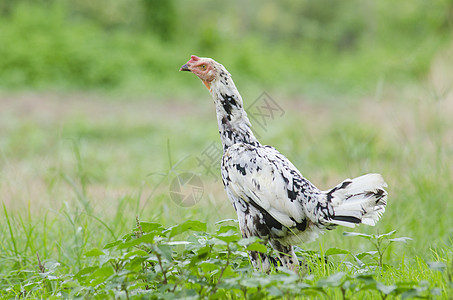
point(193, 58)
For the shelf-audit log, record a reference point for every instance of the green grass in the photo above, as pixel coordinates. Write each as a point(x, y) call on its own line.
point(77, 169)
point(76, 172)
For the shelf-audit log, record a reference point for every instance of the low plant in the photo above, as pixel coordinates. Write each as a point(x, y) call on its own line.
point(186, 261)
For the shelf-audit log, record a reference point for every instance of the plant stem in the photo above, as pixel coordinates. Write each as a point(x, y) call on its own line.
point(163, 271)
point(223, 270)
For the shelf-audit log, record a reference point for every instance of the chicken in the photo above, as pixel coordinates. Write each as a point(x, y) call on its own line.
point(272, 199)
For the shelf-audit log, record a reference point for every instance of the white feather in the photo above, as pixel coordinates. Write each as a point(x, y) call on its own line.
point(363, 198)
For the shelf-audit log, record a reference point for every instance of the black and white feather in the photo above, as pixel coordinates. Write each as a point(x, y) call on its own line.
point(271, 197)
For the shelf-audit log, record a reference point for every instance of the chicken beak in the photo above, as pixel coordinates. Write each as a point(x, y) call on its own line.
point(185, 67)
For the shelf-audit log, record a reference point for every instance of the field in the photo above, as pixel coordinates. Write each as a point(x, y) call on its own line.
point(77, 170)
point(109, 157)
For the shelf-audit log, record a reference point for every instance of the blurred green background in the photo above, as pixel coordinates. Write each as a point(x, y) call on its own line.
point(94, 114)
point(312, 47)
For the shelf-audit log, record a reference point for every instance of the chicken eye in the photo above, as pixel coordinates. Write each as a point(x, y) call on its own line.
point(203, 67)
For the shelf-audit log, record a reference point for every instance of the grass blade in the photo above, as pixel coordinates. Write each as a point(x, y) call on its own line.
point(10, 228)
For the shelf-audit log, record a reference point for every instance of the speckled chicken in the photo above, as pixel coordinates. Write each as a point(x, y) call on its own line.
point(272, 199)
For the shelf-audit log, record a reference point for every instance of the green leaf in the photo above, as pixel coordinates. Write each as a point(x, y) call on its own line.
point(186, 226)
point(228, 237)
point(144, 239)
point(207, 266)
point(94, 252)
point(85, 271)
point(256, 281)
point(275, 291)
point(386, 234)
point(113, 244)
point(249, 241)
point(149, 226)
point(257, 247)
point(226, 228)
point(176, 243)
point(365, 277)
point(100, 275)
point(437, 266)
point(226, 220)
point(401, 239)
point(52, 266)
point(48, 276)
point(137, 252)
point(164, 250)
point(409, 294)
point(367, 236)
point(363, 254)
point(385, 289)
point(202, 253)
point(333, 280)
point(31, 286)
point(334, 251)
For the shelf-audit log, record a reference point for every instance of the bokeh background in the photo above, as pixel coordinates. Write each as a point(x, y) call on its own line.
point(309, 47)
point(96, 122)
